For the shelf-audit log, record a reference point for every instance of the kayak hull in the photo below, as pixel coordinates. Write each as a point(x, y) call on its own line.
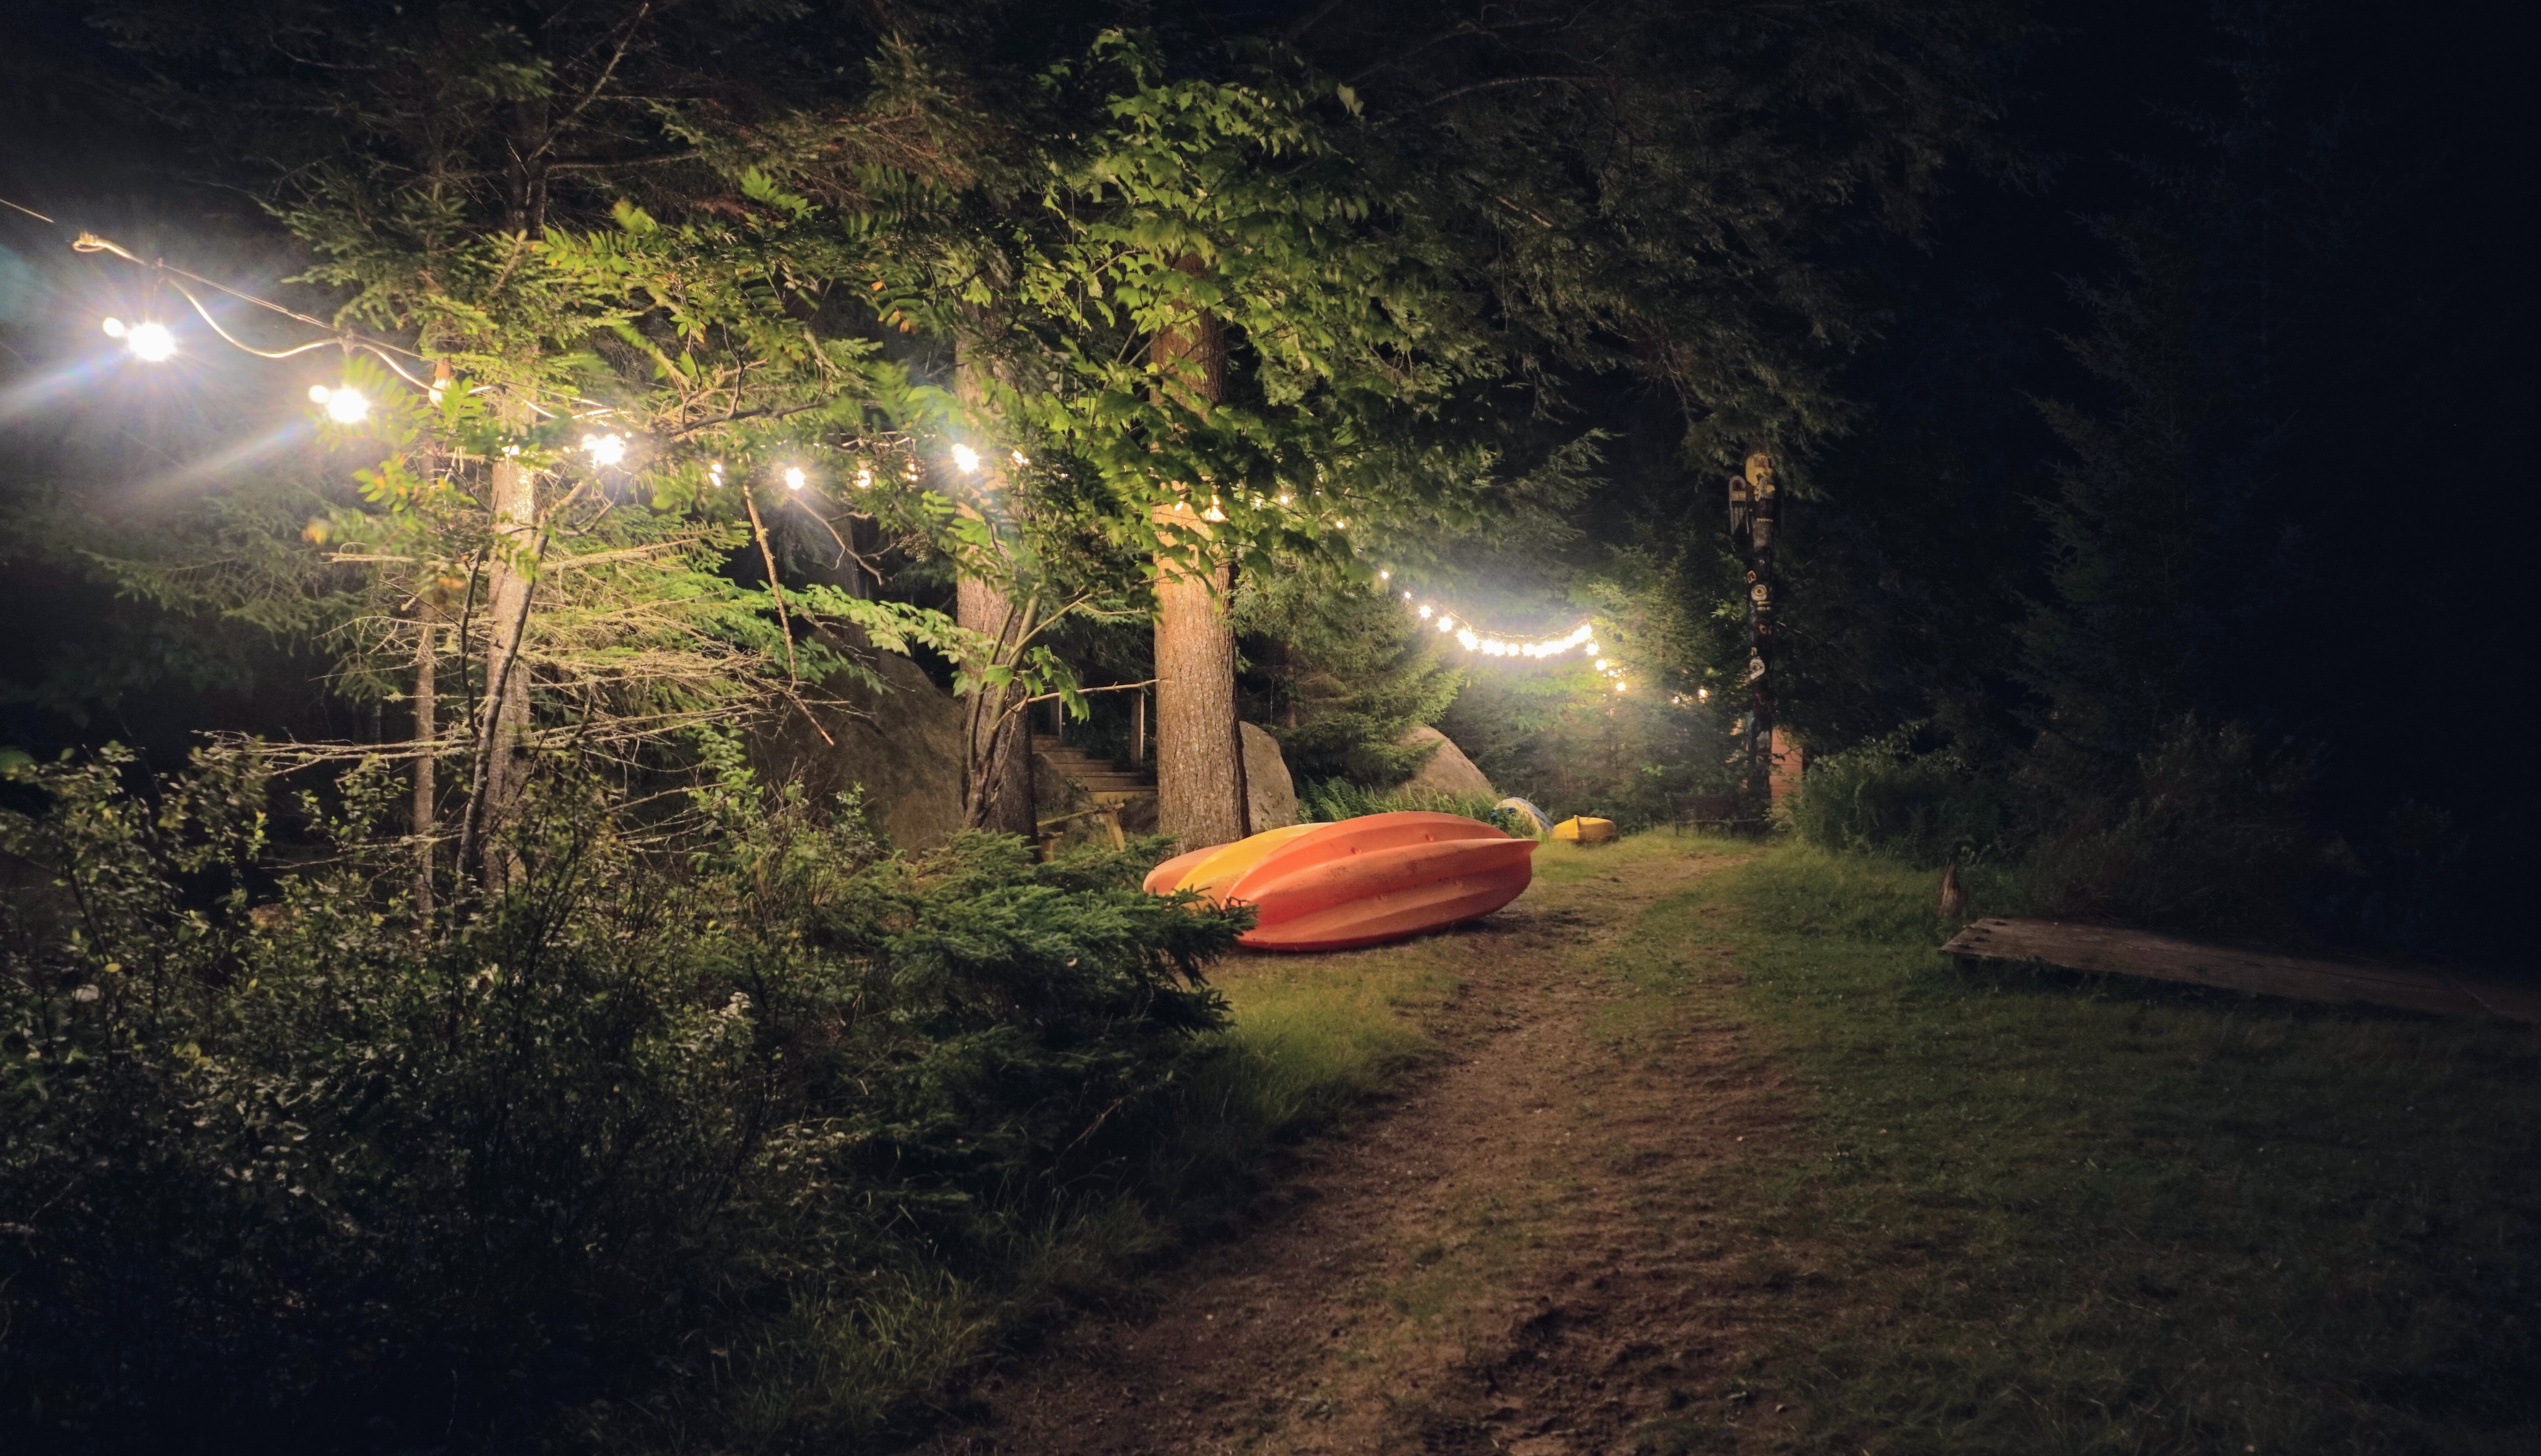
point(1364, 881)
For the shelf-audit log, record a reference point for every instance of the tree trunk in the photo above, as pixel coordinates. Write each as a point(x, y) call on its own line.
point(1764, 504)
point(998, 795)
point(503, 724)
point(1199, 770)
point(1199, 762)
point(426, 818)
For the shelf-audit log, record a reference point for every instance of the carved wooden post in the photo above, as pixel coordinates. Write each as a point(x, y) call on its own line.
point(1764, 499)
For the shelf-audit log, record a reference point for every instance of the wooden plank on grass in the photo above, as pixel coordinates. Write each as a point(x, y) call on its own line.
point(2105, 950)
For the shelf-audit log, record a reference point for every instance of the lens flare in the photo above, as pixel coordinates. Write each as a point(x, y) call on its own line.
point(345, 404)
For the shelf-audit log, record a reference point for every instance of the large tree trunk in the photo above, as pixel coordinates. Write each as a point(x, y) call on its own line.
point(1199, 762)
point(999, 793)
point(503, 723)
point(426, 818)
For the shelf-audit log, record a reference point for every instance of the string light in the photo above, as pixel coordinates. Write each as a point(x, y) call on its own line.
point(967, 459)
point(345, 404)
point(609, 450)
point(794, 477)
point(864, 478)
point(151, 343)
point(1019, 458)
point(714, 475)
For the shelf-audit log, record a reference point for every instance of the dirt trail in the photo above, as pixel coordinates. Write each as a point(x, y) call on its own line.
point(1517, 1257)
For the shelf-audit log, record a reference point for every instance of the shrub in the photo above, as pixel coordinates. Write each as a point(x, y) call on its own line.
point(1886, 796)
point(282, 1166)
point(1333, 800)
point(2209, 836)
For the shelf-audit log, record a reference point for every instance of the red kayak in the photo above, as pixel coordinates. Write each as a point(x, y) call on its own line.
point(1363, 881)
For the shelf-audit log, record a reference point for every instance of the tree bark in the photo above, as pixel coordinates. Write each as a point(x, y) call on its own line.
point(1763, 506)
point(1199, 762)
point(503, 725)
point(997, 726)
point(426, 818)
point(1200, 782)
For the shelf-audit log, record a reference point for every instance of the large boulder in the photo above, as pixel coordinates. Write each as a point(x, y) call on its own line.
point(902, 744)
point(1271, 796)
point(1448, 773)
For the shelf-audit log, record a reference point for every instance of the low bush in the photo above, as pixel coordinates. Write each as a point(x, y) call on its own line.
point(759, 1135)
point(1332, 800)
point(1888, 797)
point(2208, 835)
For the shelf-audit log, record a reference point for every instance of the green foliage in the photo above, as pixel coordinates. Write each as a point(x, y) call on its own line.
point(1332, 800)
point(1925, 807)
point(1350, 673)
point(276, 1159)
point(2208, 835)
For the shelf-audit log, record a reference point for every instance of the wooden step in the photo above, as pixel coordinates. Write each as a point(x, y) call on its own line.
point(1096, 777)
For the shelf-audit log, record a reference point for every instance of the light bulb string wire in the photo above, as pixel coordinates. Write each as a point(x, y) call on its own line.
point(87, 242)
point(388, 353)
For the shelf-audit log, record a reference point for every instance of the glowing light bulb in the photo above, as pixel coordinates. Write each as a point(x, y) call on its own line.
point(1702, 695)
point(714, 473)
point(794, 477)
point(1385, 576)
point(1618, 685)
point(151, 343)
point(345, 404)
point(1407, 596)
point(1600, 664)
point(967, 459)
point(1019, 456)
point(1591, 646)
point(1424, 612)
point(1446, 623)
point(864, 478)
point(605, 449)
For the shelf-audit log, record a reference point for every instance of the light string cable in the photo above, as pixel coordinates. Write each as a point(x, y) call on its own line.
point(1460, 628)
point(387, 352)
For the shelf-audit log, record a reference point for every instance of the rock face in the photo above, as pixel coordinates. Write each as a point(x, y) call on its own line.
point(903, 745)
point(1448, 773)
point(1271, 796)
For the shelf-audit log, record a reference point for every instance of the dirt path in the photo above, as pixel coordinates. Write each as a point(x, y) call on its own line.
point(1517, 1257)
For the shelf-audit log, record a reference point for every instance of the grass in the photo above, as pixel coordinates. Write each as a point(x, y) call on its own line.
point(2034, 1213)
point(1313, 1040)
point(1317, 1036)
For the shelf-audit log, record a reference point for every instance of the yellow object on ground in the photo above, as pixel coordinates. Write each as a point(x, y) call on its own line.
point(1220, 869)
point(1584, 830)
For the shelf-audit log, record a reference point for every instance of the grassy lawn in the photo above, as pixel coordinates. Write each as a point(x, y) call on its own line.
point(2033, 1213)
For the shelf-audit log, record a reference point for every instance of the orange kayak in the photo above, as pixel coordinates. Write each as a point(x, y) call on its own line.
point(1363, 881)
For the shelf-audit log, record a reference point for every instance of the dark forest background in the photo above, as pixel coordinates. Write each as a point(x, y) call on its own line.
point(2195, 391)
point(2148, 381)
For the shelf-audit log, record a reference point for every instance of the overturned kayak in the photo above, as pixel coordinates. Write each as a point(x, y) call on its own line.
point(1362, 881)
